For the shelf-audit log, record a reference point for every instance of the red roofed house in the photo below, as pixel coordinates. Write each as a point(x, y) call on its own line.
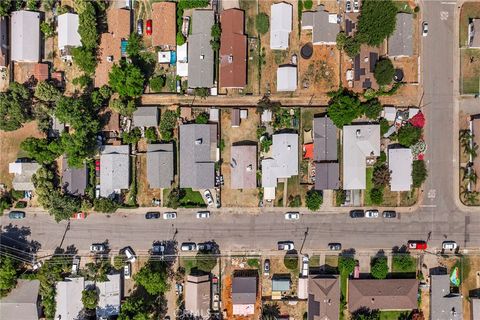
point(110, 52)
point(233, 49)
point(164, 24)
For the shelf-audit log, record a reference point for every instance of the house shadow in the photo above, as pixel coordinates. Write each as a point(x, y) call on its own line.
point(245, 143)
point(438, 271)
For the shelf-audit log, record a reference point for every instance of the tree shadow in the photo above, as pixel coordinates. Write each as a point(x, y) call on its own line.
point(15, 241)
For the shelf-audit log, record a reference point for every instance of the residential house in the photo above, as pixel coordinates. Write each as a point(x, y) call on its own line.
point(25, 31)
point(109, 297)
point(22, 303)
point(323, 297)
point(386, 294)
point(68, 36)
point(197, 295)
point(243, 167)
point(400, 164)
point(324, 26)
point(325, 154)
point(281, 285)
point(473, 37)
point(282, 164)
point(119, 26)
point(3, 42)
point(145, 117)
point(74, 180)
point(164, 24)
point(444, 304)
point(182, 60)
point(363, 68)
point(244, 295)
point(200, 52)
point(160, 165)
point(475, 307)
point(69, 298)
point(280, 25)
point(327, 175)
point(233, 49)
point(360, 143)
point(114, 169)
point(287, 78)
point(23, 171)
point(400, 43)
point(198, 154)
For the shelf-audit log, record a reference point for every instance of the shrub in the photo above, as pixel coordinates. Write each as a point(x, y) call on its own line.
point(379, 268)
point(295, 202)
point(419, 173)
point(403, 262)
point(253, 263)
point(105, 205)
point(157, 83)
point(180, 38)
point(372, 109)
point(384, 72)
point(408, 135)
point(376, 195)
point(262, 23)
point(291, 261)
point(131, 137)
point(384, 126)
point(202, 118)
point(340, 197)
point(308, 4)
point(314, 200)
point(151, 134)
point(381, 176)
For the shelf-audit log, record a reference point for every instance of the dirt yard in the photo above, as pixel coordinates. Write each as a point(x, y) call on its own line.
point(10, 146)
point(320, 73)
point(145, 195)
point(246, 132)
point(469, 71)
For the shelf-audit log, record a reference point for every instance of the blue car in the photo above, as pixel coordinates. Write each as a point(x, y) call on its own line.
point(16, 215)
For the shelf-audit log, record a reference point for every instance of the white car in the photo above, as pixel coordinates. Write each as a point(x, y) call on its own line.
point(305, 260)
point(449, 245)
point(356, 6)
point(169, 215)
point(348, 6)
point(75, 265)
point(285, 245)
point(208, 196)
point(129, 254)
point(188, 246)
point(424, 28)
point(127, 270)
point(203, 214)
point(371, 214)
point(98, 248)
point(292, 216)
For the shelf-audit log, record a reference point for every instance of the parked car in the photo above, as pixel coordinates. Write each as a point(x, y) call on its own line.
point(148, 29)
point(285, 245)
point(188, 246)
point(16, 214)
point(178, 288)
point(389, 214)
point(158, 248)
point(127, 270)
point(371, 214)
point(185, 26)
point(98, 247)
point(335, 246)
point(130, 254)
point(425, 28)
point(203, 214)
point(169, 215)
point(208, 196)
point(348, 6)
point(292, 216)
point(140, 26)
point(357, 214)
point(79, 216)
point(417, 245)
point(356, 6)
point(75, 265)
point(152, 215)
point(449, 245)
point(205, 246)
point(305, 260)
point(266, 267)
point(97, 165)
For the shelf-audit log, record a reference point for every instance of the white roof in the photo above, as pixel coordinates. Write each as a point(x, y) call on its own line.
point(303, 288)
point(287, 78)
point(280, 25)
point(26, 34)
point(164, 56)
point(69, 298)
point(243, 309)
point(284, 161)
point(114, 169)
point(109, 296)
point(266, 115)
point(400, 164)
point(359, 142)
point(182, 60)
point(390, 113)
point(67, 31)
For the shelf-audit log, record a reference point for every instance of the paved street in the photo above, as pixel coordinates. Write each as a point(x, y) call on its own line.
point(438, 215)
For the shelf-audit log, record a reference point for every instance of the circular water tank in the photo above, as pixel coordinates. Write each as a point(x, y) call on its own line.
point(398, 77)
point(307, 51)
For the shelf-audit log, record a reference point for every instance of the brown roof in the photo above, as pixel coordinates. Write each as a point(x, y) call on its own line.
point(323, 297)
point(164, 24)
point(111, 120)
point(40, 72)
point(388, 294)
point(118, 21)
point(233, 49)
point(197, 294)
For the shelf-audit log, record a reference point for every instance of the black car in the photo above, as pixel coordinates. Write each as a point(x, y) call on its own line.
point(152, 215)
point(389, 214)
point(357, 214)
point(335, 246)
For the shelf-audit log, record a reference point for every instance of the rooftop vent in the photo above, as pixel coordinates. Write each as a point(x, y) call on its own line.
point(358, 133)
point(202, 57)
point(198, 141)
point(230, 59)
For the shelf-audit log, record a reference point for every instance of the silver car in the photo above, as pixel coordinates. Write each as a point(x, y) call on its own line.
point(348, 6)
point(292, 216)
point(371, 214)
point(169, 215)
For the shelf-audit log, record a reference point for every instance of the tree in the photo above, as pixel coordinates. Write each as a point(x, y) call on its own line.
point(5, 7)
point(308, 4)
point(62, 206)
point(47, 29)
point(32, 5)
point(346, 265)
point(41, 149)
point(202, 92)
point(168, 121)
point(384, 126)
point(206, 261)
point(377, 21)
point(216, 32)
point(265, 143)
point(419, 173)
point(90, 298)
point(153, 277)
point(82, 81)
point(180, 38)
point(134, 308)
point(376, 195)
point(379, 267)
point(135, 45)
point(125, 108)
point(384, 71)
point(151, 134)
point(5, 203)
point(403, 262)
point(174, 197)
point(291, 261)
point(119, 261)
point(372, 109)
point(408, 135)
point(262, 23)
point(8, 275)
point(266, 104)
point(270, 311)
point(202, 118)
point(344, 107)
point(45, 91)
point(314, 200)
point(351, 46)
point(157, 83)
point(15, 107)
point(85, 59)
point(340, 40)
point(105, 205)
point(132, 136)
point(87, 26)
point(381, 176)
point(126, 79)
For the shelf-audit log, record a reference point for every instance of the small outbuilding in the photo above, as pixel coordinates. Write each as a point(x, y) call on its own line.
point(287, 78)
point(280, 25)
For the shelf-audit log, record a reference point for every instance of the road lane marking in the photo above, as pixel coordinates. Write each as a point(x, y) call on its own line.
point(449, 2)
point(432, 193)
point(428, 206)
point(443, 15)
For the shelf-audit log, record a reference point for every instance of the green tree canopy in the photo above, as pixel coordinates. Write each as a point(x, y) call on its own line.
point(135, 45)
point(90, 299)
point(344, 107)
point(314, 200)
point(15, 107)
point(372, 109)
point(105, 205)
point(5, 7)
point(132, 136)
point(377, 21)
point(126, 79)
point(87, 27)
point(134, 308)
point(153, 277)
point(376, 195)
point(157, 83)
point(8, 276)
point(403, 262)
point(85, 59)
point(168, 122)
point(384, 72)
point(47, 29)
point(379, 267)
point(45, 91)
point(262, 23)
point(346, 265)
point(41, 149)
point(408, 135)
point(419, 173)
point(291, 261)
point(202, 118)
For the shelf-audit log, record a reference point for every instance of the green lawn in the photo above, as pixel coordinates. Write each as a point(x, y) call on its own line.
point(192, 199)
point(394, 315)
point(470, 71)
point(314, 262)
point(402, 6)
point(469, 10)
point(188, 263)
point(369, 176)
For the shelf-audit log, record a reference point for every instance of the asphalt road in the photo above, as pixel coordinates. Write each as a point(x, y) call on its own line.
point(437, 218)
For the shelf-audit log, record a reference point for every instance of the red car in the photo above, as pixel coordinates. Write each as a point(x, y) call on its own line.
point(417, 245)
point(79, 216)
point(148, 30)
point(97, 165)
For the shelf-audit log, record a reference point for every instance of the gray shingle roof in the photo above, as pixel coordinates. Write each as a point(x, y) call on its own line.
point(114, 169)
point(69, 298)
point(324, 139)
point(401, 42)
point(21, 302)
point(327, 176)
point(244, 290)
point(160, 165)
point(145, 117)
point(26, 34)
point(323, 297)
point(443, 304)
point(74, 180)
point(198, 147)
point(22, 181)
point(200, 53)
point(323, 30)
